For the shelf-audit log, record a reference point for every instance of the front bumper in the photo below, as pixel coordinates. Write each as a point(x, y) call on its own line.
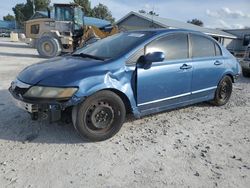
point(50, 109)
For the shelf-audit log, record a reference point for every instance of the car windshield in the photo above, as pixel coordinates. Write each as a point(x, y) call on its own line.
point(114, 46)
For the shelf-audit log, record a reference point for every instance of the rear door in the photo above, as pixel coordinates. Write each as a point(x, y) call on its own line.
point(169, 82)
point(208, 66)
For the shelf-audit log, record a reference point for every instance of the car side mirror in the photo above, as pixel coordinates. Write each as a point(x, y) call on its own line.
point(146, 61)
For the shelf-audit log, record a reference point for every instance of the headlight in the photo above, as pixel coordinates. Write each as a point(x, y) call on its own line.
point(50, 92)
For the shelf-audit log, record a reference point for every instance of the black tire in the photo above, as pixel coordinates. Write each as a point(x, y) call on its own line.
point(100, 116)
point(48, 47)
point(223, 91)
point(245, 73)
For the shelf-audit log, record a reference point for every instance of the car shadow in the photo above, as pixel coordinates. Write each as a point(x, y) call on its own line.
point(16, 125)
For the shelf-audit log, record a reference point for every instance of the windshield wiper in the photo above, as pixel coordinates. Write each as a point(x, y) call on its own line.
point(89, 56)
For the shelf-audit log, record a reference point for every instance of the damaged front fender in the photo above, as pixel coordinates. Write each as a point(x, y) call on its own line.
point(120, 80)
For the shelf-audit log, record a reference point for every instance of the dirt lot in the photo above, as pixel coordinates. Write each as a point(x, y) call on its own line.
point(196, 146)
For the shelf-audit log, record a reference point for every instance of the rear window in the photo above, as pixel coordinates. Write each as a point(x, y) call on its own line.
point(202, 47)
point(217, 50)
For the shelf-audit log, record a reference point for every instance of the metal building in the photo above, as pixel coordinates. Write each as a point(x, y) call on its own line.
point(135, 21)
point(7, 25)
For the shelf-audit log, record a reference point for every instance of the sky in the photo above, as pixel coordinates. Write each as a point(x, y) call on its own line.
point(228, 14)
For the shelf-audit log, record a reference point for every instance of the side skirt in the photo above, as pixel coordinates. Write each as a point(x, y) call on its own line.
point(196, 97)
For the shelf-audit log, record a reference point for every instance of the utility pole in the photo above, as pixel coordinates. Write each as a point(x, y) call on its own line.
point(33, 6)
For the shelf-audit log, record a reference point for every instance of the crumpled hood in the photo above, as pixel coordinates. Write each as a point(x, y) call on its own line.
point(58, 71)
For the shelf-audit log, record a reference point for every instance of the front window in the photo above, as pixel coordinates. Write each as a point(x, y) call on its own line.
point(133, 59)
point(174, 46)
point(116, 45)
point(78, 18)
point(63, 13)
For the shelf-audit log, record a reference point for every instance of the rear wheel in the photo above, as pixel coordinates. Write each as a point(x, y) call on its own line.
point(223, 91)
point(48, 47)
point(100, 116)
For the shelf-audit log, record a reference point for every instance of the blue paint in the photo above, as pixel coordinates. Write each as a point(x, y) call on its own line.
point(164, 85)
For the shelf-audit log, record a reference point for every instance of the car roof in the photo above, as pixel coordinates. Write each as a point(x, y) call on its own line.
point(162, 31)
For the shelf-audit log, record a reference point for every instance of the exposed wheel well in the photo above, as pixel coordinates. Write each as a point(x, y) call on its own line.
point(124, 99)
point(231, 76)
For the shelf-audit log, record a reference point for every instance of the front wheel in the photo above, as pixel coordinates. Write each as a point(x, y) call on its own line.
point(223, 91)
point(100, 116)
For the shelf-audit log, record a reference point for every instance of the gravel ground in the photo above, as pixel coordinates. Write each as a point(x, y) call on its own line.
point(196, 146)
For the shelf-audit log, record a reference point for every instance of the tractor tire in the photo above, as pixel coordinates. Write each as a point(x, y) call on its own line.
point(48, 47)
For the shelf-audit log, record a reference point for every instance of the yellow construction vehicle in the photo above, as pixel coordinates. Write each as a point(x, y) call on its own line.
point(63, 32)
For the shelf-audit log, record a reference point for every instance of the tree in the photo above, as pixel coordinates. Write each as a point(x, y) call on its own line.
point(18, 11)
point(153, 13)
point(9, 17)
point(142, 11)
point(86, 6)
point(41, 4)
point(150, 12)
point(196, 22)
point(23, 12)
point(101, 11)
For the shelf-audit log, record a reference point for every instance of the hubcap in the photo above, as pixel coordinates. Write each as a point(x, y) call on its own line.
point(100, 116)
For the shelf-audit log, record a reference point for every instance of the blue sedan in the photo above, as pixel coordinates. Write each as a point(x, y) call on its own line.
point(139, 72)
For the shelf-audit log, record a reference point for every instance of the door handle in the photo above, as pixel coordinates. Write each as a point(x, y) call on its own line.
point(217, 62)
point(185, 66)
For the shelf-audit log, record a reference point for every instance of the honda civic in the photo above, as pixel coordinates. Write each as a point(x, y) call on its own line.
point(139, 72)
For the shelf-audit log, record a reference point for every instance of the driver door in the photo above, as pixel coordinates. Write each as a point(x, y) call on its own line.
point(166, 84)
